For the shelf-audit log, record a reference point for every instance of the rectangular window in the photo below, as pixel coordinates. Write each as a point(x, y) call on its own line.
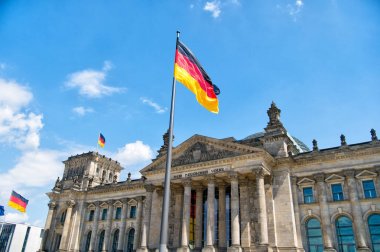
point(369, 189)
point(91, 215)
point(337, 192)
point(118, 213)
point(104, 214)
point(132, 213)
point(308, 195)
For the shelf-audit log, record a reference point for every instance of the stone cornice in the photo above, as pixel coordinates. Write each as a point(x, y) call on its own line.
point(116, 188)
point(330, 156)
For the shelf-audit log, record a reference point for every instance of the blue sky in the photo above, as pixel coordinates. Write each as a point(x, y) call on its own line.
point(71, 69)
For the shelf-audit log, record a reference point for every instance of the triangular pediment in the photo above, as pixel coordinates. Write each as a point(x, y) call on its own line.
point(118, 203)
point(91, 206)
point(104, 205)
point(366, 174)
point(199, 149)
point(333, 178)
point(132, 202)
point(305, 181)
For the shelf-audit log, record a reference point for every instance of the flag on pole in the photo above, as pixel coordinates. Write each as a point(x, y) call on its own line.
point(190, 73)
point(2, 210)
point(18, 202)
point(101, 140)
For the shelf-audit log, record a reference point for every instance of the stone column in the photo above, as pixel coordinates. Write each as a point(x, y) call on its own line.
point(296, 211)
point(186, 216)
point(94, 227)
point(66, 226)
point(49, 217)
point(325, 214)
point(198, 217)
point(124, 211)
point(146, 219)
point(245, 218)
point(263, 219)
point(222, 215)
point(209, 243)
point(235, 222)
point(136, 241)
point(360, 232)
point(107, 234)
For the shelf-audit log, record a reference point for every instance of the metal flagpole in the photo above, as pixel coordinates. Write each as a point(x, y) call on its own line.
point(165, 203)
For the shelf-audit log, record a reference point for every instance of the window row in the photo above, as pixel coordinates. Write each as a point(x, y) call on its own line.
point(117, 213)
point(337, 194)
point(344, 233)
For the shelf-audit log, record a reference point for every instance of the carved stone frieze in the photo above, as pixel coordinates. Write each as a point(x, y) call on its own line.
point(201, 152)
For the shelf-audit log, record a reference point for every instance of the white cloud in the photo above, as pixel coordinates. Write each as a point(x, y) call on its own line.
point(91, 82)
point(17, 127)
point(295, 9)
point(16, 217)
point(81, 111)
point(154, 105)
point(133, 154)
point(213, 7)
point(34, 169)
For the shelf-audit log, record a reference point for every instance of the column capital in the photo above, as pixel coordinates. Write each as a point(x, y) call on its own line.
point(221, 184)
point(319, 177)
point(159, 190)
point(260, 172)
point(294, 179)
point(186, 182)
point(139, 199)
point(243, 182)
point(70, 203)
point(198, 187)
point(349, 173)
point(52, 205)
point(149, 187)
point(233, 176)
point(210, 179)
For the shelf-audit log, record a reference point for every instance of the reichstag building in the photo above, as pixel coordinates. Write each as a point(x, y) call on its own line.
point(266, 192)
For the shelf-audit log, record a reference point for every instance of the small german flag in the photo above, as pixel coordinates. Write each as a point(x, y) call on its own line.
point(18, 202)
point(190, 73)
point(101, 140)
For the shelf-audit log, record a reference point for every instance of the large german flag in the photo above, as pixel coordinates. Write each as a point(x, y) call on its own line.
point(190, 73)
point(18, 202)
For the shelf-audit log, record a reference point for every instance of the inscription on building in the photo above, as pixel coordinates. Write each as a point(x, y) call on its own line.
point(200, 173)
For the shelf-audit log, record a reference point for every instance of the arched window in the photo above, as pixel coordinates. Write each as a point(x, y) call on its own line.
point(374, 230)
point(314, 235)
point(88, 241)
point(63, 217)
point(131, 237)
point(345, 234)
point(101, 241)
point(110, 177)
point(115, 240)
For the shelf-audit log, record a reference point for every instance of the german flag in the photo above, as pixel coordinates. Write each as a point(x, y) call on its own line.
point(190, 73)
point(18, 202)
point(101, 140)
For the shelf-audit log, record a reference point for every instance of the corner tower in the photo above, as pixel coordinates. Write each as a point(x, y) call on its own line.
point(88, 170)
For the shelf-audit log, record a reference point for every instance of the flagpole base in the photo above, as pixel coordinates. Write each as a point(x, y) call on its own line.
point(163, 248)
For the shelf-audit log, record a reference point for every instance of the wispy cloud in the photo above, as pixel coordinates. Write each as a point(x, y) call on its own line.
point(2, 66)
point(159, 109)
point(81, 111)
point(91, 83)
point(213, 7)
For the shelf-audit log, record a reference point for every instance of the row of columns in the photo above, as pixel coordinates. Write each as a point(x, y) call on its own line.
point(235, 216)
point(327, 231)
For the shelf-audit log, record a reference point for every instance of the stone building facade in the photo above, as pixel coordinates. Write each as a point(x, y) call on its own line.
point(267, 192)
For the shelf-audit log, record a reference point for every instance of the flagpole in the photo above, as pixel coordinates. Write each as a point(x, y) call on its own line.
point(165, 203)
